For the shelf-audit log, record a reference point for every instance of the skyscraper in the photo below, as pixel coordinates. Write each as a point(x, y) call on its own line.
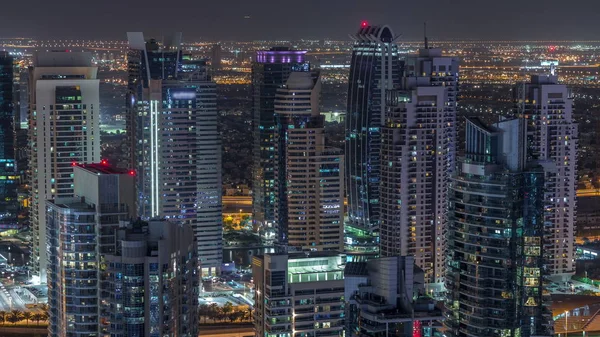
point(417, 158)
point(100, 263)
point(375, 68)
point(309, 177)
point(552, 139)
point(64, 129)
point(9, 181)
point(498, 238)
point(174, 142)
point(270, 71)
point(79, 230)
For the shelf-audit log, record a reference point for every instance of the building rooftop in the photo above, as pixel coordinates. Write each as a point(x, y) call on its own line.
point(104, 168)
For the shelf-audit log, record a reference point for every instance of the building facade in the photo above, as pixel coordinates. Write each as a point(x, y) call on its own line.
point(552, 138)
point(64, 129)
point(417, 159)
point(375, 68)
point(175, 146)
point(386, 297)
point(152, 281)
point(109, 276)
point(270, 71)
point(80, 230)
point(298, 295)
point(498, 239)
point(9, 178)
point(309, 177)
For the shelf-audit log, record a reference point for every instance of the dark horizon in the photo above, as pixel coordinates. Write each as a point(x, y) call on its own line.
point(312, 19)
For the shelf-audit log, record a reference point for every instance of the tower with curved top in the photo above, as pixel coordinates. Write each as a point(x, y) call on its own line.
point(375, 68)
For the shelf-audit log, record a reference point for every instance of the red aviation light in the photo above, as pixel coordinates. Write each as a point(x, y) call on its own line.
point(131, 172)
point(364, 24)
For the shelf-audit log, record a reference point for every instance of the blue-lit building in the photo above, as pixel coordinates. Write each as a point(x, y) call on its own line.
point(174, 144)
point(270, 71)
point(498, 240)
point(9, 180)
point(375, 68)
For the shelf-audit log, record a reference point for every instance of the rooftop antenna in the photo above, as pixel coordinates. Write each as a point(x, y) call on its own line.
point(425, 34)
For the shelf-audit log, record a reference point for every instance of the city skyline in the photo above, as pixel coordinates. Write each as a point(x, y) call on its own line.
point(331, 19)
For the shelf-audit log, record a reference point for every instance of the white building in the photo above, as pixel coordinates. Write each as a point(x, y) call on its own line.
point(553, 141)
point(64, 128)
point(174, 142)
point(417, 158)
point(309, 177)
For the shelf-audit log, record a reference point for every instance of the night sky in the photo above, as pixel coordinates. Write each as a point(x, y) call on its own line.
point(287, 19)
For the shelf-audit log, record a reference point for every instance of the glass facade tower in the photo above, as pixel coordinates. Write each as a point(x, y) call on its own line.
point(9, 179)
point(498, 241)
point(375, 68)
point(270, 71)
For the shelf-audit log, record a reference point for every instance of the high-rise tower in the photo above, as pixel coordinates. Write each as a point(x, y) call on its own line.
point(498, 239)
point(552, 139)
point(80, 229)
point(375, 68)
point(309, 177)
point(270, 71)
point(417, 158)
point(108, 276)
point(8, 169)
point(64, 129)
point(175, 146)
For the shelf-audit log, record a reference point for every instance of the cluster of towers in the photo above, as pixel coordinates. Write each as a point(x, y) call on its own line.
point(100, 233)
point(487, 222)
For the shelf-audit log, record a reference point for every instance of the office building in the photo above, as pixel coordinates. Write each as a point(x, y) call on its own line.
point(152, 281)
point(270, 71)
point(417, 159)
point(386, 297)
point(299, 294)
point(80, 230)
point(64, 129)
point(374, 68)
point(175, 147)
point(309, 177)
point(552, 139)
point(9, 179)
point(498, 239)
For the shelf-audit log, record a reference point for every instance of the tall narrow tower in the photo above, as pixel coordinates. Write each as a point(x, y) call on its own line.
point(309, 177)
point(375, 68)
point(552, 139)
point(270, 71)
point(64, 129)
point(8, 167)
point(417, 158)
point(175, 146)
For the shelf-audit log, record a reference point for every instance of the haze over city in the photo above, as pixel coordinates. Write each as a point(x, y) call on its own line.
point(314, 19)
